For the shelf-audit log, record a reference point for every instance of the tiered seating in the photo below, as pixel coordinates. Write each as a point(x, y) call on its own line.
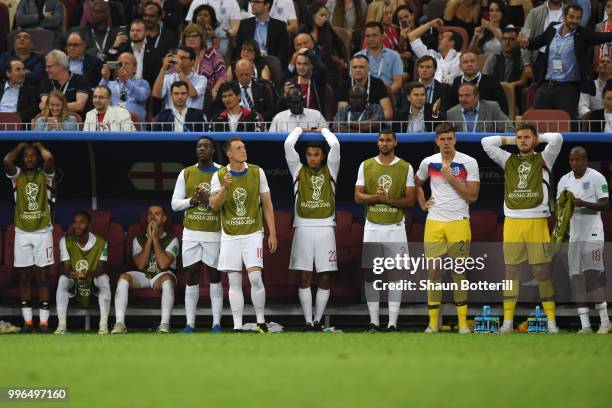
point(349, 239)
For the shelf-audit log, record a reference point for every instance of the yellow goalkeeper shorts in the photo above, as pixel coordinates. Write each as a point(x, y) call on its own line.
point(447, 237)
point(526, 239)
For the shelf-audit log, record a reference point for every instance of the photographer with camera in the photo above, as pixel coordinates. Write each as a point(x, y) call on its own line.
point(127, 91)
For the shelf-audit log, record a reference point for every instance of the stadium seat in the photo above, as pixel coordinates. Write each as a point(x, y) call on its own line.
point(510, 92)
point(548, 120)
point(10, 121)
point(9, 292)
point(461, 31)
point(281, 285)
point(349, 240)
point(485, 227)
point(75, 115)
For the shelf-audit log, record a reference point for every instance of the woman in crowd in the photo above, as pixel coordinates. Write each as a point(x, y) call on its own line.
point(250, 50)
point(205, 14)
point(55, 115)
point(462, 13)
point(349, 14)
point(487, 37)
point(322, 32)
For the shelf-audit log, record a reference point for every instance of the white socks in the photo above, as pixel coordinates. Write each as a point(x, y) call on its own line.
point(373, 298)
point(192, 295)
point(104, 297)
point(62, 297)
point(216, 302)
point(583, 313)
point(602, 309)
point(258, 295)
point(305, 296)
point(121, 300)
point(43, 313)
point(395, 301)
point(167, 300)
point(236, 298)
point(320, 303)
point(26, 312)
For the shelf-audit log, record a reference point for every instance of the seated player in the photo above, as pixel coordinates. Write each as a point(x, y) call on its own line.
point(154, 254)
point(83, 255)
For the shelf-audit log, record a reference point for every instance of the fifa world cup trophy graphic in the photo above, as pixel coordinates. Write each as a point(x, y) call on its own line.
point(523, 172)
point(317, 184)
point(240, 196)
point(203, 187)
point(31, 191)
point(385, 182)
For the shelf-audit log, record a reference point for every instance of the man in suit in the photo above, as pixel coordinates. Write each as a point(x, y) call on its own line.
point(418, 116)
point(257, 96)
point(474, 115)
point(434, 89)
point(34, 63)
point(16, 96)
point(566, 69)
point(80, 62)
point(180, 118)
point(488, 88)
point(601, 119)
point(104, 117)
point(270, 33)
point(537, 21)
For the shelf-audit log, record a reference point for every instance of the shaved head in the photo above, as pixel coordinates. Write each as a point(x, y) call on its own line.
point(579, 151)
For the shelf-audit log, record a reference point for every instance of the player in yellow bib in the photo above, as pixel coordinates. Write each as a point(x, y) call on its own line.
point(526, 236)
point(34, 191)
point(455, 183)
point(385, 186)
point(240, 191)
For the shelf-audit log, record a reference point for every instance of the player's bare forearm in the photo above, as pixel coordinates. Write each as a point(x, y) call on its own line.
point(268, 212)
point(217, 199)
point(601, 205)
point(468, 192)
point(422, 201)
point(142, 258)
point(164, 260)
point(365, 199)
point(9, 159)
point(47, 157)
point(66, 268)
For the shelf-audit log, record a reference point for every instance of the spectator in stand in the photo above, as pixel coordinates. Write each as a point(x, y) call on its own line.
point(250, 51)
point(403, 21)
point(270, 33)
point(418, 116)
point(209, 62)
point(322, 32)
point(538, 20)
point(385, 64)
point(568, 68)
point(180, 118)
point(17, 96)
point(601, 119)
point(391, 36)
point(182, 62)
point(604, 74)
point(106, 118)
point(508, 65)
point(605, 27)
point(349, 14)
point(359, 115)
point(310, 80)
point(304, 44)
point(206, 15)
point(283, 10)
point(75, 87)
point(173, 14)
point(47, 14)
point(376, 9)
point(227, 11)
point(489, 89)
point(55, 114)
point(235, 117)
point(434, 90)
point(462, 13)
point(447, 56)
point(475, 115)
point(297, 116)
point(84, 13)
point(127, 91)
point(34, 63)
point(517, 10)
point(80, 62)
point(488, 36)
point(161, 39)
point(98, 36)
point(375, 88)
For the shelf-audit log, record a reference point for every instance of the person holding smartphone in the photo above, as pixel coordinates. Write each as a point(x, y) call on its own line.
point(55, 115)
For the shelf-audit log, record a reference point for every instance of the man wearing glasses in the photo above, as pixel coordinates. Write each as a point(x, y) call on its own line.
point(75, 87)
point(81, 63)
point(34, 63)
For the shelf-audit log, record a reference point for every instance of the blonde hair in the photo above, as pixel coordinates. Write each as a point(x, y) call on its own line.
point(192, 27)
point(60, 96)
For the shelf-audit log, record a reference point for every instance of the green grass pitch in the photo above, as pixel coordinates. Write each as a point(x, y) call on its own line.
point(313, 369)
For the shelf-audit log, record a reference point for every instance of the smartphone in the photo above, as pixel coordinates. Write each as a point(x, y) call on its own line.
point(123, 28)
point(403, 24)
point(114, 64)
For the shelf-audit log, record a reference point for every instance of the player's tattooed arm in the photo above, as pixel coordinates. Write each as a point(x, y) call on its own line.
point(11, 157)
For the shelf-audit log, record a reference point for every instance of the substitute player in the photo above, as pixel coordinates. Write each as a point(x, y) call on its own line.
point(240, 190)
point(154, 254)
point(526, 237)
point(34, 193)
point(455, 183)
point(314, 240)
point(201, 232)
point(586, 243)
point(385, 186)
point(83, 255)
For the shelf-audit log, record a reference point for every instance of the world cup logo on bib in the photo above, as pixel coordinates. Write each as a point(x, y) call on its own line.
point(523, 172)
point(317, 184)
point(240, 196)
point(204, 187)
point(385, 182)
point(81, 266)
point(31, 191)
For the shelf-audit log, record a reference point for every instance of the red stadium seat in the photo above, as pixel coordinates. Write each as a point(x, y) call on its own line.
point(548, 120)
point(281, 285)
point(485, 227)
point(349, 240)
point(9, 121)
point(606, 217)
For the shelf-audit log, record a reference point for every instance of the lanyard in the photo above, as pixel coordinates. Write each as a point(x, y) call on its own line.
point(367, 87)
point(477, 82)
point(65, 87)
point(179, 120)
point(100, 48)
point(358, 119)
point(473, 123)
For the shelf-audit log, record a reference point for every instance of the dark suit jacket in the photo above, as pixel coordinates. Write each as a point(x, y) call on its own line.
point(444, 93)
point(263, 99)
point(277, 40)
point(27, 102)
point(194, 121)
point(152, 60)
point(584, 40)
point(92, 69)
point(599, 121)
point(489, 88)
point(403, 114)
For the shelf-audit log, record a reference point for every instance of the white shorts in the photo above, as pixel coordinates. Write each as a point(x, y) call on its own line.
point(140, 280)
point(585, 256)
point(196, 251)
point(236, 252)
point(383, 243)
point(33, 249)
point(314, 245)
